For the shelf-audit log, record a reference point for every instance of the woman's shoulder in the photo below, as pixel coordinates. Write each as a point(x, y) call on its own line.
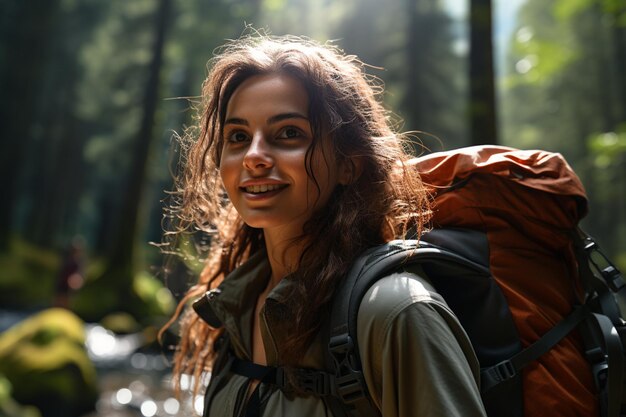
point(406, 304)
point(394, 293)
point(405, 328)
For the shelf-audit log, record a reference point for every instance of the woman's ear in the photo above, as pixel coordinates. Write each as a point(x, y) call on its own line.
point(350, 170)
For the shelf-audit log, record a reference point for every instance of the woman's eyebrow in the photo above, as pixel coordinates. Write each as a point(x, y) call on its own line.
point(236, 121)
point(274, 119)
point(285, 116)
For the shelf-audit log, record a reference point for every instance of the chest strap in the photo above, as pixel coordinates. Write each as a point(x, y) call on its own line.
point(309, 381)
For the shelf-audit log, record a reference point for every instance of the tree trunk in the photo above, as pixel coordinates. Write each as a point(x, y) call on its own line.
point(482, 104)
point(120, 269)
point(414, 53)
point(24, 47)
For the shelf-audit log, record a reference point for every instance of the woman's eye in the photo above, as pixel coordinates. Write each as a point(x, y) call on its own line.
point(237, 137)
point(290, 133)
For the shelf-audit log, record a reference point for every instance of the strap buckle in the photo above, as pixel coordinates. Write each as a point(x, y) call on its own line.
point(611, 275)
point(349, 380)
point(317, 382)
point(496, 374)
point(505, 370)
point(308, 380)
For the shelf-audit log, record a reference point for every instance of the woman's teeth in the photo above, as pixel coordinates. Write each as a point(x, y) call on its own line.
point(256, 189)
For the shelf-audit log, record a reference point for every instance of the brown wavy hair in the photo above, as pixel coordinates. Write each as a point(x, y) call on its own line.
point(383, 202)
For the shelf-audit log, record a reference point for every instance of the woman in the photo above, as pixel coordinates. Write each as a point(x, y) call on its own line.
point(294, 172)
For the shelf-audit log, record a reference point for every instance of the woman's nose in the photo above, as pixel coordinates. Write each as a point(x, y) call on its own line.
point(258, 154)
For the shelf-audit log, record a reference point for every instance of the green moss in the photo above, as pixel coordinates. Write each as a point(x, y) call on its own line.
point(145, 298)
point(11, 408)
point(120, 323)
point(27, 274)
point(45, 360)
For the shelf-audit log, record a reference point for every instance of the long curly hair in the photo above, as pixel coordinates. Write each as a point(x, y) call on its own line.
point(383, 202)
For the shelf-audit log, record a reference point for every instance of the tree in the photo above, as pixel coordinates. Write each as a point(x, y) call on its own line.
point(433, 94)
point(26, 31)
point(120, 260)
point(422, 74)
point(482, 102)
point(54, 171)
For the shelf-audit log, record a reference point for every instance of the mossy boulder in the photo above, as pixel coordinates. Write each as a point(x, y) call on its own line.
point(11, 408)
point(45, 360)
point(27, 275)
point(144, 297)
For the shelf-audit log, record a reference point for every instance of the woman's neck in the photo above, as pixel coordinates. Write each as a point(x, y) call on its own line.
point(283, 255)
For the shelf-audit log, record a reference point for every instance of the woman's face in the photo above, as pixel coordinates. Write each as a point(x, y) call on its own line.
point(266, 135)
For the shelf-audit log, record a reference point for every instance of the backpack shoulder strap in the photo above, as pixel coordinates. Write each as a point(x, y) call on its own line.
point(604, 334)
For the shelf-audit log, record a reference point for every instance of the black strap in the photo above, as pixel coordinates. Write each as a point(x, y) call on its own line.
point(607, 365)
point(264, 374)
point(609, 280)
point(607, 284)
point(505, 370)
point(311, 381)
point(253, 370)
point(253, 408)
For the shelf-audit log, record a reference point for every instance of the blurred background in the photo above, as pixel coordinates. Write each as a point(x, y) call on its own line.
point(92, 93)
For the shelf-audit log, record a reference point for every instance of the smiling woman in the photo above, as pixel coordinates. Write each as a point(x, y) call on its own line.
point(295, 172)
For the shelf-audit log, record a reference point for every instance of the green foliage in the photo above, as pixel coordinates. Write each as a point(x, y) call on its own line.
point(566, 9)
point(95, 300)
point(120, 323)
point(608, 147)
point(45, 360)
point(158, 299)
point(27, 274)
point(543, 60)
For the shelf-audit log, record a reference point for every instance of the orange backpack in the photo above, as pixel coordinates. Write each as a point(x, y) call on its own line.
point(508, 257)
point(528, 203)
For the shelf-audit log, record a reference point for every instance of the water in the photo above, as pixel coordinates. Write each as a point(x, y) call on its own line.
point(134, 383)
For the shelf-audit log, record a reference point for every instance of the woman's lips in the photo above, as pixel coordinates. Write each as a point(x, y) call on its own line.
point(262, 191)
point(263, 188)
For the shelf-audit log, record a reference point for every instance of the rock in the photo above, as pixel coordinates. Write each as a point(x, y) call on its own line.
point(45, 360)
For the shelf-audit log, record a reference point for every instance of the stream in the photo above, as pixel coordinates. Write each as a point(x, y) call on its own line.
point(134, 383)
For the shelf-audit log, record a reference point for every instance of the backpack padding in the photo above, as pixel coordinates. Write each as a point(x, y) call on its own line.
point(473, 295)
point(477, 300)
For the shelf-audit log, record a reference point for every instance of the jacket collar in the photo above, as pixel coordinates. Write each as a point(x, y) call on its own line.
point(234, 304)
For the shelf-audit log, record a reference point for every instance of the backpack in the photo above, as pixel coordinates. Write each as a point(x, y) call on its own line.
point(505, 244)
point(535, 295)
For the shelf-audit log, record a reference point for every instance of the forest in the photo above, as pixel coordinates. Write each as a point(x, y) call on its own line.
point(95, 93)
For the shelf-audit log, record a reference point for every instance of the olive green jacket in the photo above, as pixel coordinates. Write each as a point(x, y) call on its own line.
point(416, 357)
